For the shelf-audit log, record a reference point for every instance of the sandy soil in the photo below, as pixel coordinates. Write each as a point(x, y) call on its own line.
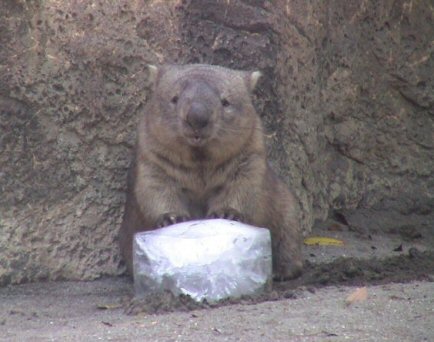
point(397, 272)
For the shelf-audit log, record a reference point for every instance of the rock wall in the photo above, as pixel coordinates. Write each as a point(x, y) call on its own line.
point(347, 101)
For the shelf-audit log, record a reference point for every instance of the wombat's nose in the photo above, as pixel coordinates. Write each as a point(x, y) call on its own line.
point(197, 116)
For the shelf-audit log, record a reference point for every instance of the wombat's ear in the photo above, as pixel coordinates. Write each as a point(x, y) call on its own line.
point(253, 79)
point(153, 73)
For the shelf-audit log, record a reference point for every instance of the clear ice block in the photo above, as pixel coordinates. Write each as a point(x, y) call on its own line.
point(205, 259)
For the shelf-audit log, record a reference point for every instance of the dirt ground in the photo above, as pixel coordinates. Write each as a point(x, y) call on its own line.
point(396, 268)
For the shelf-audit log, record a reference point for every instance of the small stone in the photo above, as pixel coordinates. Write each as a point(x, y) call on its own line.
point(414, 253)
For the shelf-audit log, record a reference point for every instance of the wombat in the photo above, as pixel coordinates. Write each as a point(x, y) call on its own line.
point(200, 154)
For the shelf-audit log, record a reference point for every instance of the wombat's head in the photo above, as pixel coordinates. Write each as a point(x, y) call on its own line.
point(201, 105)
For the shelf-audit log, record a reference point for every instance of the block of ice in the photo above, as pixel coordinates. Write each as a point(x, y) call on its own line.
point(206, 259)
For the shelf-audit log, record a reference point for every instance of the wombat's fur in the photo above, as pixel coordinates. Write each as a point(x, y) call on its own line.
point(200, 154)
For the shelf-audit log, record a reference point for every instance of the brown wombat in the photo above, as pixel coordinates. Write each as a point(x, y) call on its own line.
point(200, 154)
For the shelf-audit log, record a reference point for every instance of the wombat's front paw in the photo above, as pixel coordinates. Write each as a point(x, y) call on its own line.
point(168, 219)
point(228, 214)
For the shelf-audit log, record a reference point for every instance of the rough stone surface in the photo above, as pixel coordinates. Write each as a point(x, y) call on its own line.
point(347, 101)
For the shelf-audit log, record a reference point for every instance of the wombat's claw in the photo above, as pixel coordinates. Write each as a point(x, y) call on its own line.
point(168, 219)
point(228, 214)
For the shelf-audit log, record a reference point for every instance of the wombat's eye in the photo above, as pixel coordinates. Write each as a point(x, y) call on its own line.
point(174, 99)
point(225, 102)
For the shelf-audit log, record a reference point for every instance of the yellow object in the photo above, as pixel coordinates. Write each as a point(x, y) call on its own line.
point(322, 241)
